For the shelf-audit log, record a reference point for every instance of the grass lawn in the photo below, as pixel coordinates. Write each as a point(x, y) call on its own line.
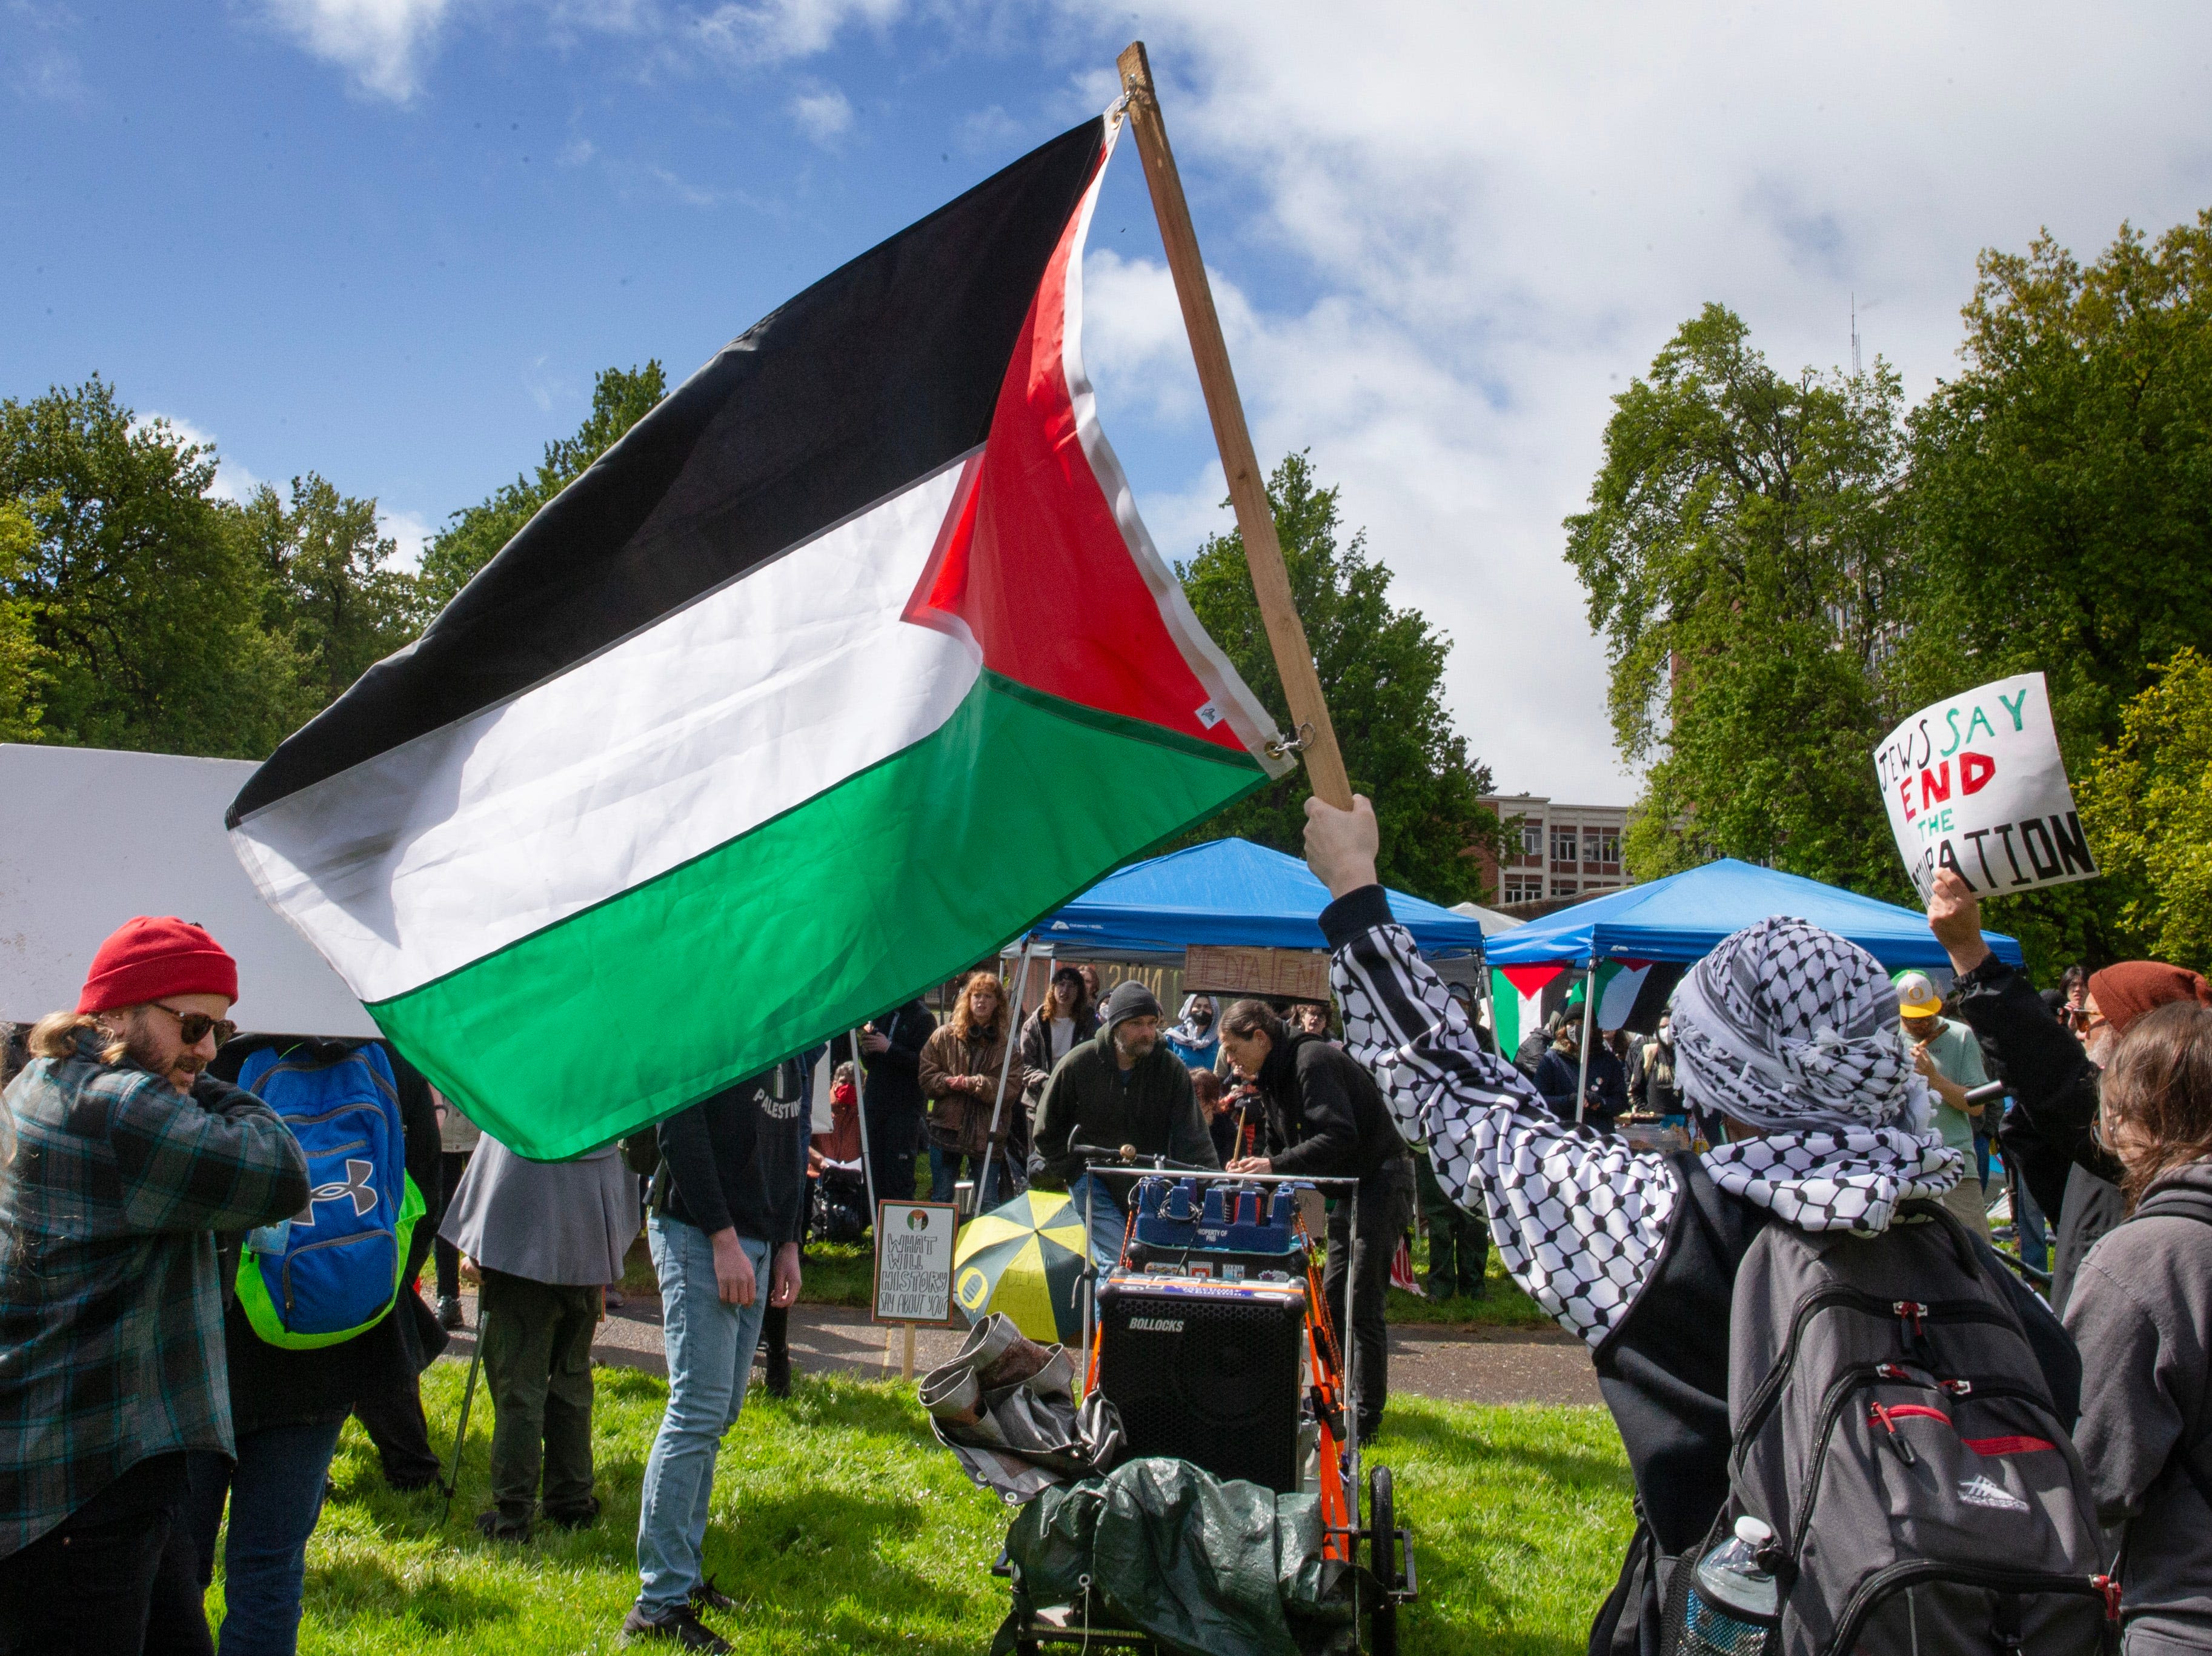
point(840, 1525)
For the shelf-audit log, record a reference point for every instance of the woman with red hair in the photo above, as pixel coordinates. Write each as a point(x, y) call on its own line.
point(964, 1071)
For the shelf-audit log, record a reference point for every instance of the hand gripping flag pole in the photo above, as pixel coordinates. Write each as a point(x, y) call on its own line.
point(1314, 736)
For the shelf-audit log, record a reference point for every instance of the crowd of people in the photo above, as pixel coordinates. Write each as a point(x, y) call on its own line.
point(142, 1391)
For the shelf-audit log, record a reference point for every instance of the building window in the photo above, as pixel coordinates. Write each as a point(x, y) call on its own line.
point(1563, 888)
point(1532, 839)
point(1589, 845)
point(1563, 845)
point(1523, 891)
point(1611, 853)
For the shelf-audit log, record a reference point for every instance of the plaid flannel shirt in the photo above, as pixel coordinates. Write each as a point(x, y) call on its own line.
point(110, 1313)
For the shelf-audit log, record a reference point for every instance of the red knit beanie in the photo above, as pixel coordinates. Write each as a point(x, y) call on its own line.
point(2125, 992)
point(146, 958)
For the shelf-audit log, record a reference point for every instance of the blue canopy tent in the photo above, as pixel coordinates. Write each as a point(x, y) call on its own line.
point(1629, 945)
point(1230, 892)
point(1681, 917)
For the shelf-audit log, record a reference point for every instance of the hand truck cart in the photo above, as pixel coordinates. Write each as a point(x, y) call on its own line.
point(1227, 1244)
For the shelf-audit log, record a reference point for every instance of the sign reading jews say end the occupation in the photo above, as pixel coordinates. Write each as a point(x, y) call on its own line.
point(1975, 784)
point(913, 1260)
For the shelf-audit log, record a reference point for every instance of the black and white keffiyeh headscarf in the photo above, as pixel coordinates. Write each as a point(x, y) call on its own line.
point(1791, 1029)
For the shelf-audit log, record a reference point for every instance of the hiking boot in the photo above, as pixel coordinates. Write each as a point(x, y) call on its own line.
point(706, 1596)
point(681, 1627)
point(449, 1312)
point(778, 1378)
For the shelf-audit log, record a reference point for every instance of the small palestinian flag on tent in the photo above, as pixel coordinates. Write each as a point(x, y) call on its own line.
point(850, 660)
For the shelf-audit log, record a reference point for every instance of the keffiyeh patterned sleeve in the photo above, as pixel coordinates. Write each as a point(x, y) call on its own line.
point(1578, 1218)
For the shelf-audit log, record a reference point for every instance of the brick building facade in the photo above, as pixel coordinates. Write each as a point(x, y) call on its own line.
point(1565, 850)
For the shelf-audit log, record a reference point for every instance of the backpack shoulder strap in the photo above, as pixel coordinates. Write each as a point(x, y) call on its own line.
point(2176, 1203)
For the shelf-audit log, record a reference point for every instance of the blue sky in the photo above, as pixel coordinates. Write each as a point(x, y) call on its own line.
point(392, 240)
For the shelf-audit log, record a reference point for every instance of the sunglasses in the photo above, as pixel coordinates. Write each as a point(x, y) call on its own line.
point(193, 1026)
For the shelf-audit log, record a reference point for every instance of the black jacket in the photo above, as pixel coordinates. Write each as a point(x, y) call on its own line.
point(1091, 1100)
point(737, 1160)
point(894, 1075)
point(1328, 1111)
point(2045, 1134)
point(274, 1385)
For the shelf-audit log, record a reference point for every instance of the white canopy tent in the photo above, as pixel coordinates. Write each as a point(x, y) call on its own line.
point(90, 837)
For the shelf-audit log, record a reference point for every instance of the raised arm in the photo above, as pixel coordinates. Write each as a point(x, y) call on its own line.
point(1578, 1219)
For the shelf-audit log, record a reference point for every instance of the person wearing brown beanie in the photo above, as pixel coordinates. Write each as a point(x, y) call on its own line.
point(128, 1158)
point(2056, 1080)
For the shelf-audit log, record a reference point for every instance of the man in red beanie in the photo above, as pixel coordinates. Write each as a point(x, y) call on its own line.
point(2055, 1080)
point(128, 1157)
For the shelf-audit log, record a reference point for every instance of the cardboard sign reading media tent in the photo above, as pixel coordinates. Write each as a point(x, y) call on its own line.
point(1975, 784)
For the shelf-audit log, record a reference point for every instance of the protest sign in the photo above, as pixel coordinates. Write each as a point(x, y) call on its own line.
point(913, 1260)
point(1974, 783)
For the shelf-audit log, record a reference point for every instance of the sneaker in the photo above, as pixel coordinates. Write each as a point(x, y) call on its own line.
point(778, 1378)
point(706, 1596)
point(681, 1626)
point(614, 1299)
point(449, 1312)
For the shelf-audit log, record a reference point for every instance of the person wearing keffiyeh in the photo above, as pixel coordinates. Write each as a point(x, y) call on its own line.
point(1788, 1033)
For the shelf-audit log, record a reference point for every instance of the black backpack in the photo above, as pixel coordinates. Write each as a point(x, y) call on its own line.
point(1893, 1428)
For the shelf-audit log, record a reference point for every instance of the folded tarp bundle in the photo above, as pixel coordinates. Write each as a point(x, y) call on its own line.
point(1201, 1565)
point(1006, 1406)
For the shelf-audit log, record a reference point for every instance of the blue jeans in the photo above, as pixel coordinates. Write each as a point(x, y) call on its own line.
point(946, 1168)
point(710, 1357)
point(276, 1491)
point(1108, 1220)
point(2029, 1229)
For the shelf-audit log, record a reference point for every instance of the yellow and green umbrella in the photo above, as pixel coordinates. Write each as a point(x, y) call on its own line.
point(1024, 1259)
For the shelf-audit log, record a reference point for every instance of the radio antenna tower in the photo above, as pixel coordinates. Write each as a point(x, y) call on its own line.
point(1855, 334)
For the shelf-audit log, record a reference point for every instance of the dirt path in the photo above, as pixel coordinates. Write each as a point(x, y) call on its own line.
point(1489, 1365)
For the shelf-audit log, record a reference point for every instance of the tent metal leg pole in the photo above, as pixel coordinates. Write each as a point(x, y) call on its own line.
point(867, 1160)
point(1005, 1064)
point(1589, 1017)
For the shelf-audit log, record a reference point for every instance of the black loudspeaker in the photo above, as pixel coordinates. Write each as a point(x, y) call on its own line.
point(1207, 1371)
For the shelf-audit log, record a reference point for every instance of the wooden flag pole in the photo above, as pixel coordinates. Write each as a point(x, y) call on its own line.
point(1247, 490)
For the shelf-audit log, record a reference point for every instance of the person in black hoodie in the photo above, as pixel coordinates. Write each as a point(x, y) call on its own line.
point(890, 1053)
point(288, 1406)
point(727, 1213)
point(1330, 1113)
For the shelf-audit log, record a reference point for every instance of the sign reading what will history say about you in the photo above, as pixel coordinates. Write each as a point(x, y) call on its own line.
point(1975, 784)
point(913, 1260)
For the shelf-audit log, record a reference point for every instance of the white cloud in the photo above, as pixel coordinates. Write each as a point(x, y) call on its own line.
point(1461, 229)
point(780, 30)
point(411, 530)
point(38, 66)
point(823, 116)
point(385, 44)
point(577, 152)
point(232, 481)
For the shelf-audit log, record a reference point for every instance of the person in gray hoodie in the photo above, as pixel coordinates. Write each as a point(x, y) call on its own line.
point(2141, 1313)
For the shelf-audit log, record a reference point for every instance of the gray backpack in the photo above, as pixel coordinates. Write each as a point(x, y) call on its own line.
point(1893, 1428)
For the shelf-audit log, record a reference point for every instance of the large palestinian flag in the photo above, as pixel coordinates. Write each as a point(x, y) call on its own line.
point(849, 662)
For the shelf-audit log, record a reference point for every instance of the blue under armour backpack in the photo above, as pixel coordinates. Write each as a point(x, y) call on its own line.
point(332, 1269)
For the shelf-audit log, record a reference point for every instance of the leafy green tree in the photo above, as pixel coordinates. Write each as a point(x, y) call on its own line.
point(2146, 802)
point(1381, 672)
point(1740, 554)
point(327, 589)
point(620, 399)
point(2062, 485)
point(2062, 505)
point(18, 675)
point(143, 604)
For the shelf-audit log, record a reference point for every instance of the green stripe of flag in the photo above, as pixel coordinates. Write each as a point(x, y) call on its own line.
point(998, 815)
